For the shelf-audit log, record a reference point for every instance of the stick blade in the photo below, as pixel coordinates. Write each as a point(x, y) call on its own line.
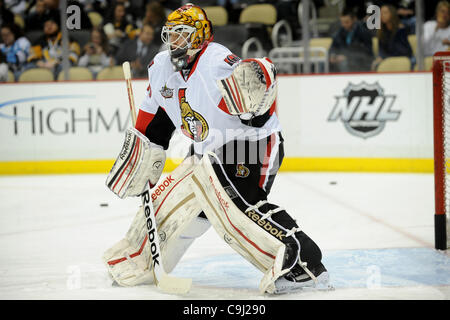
point(174, 285)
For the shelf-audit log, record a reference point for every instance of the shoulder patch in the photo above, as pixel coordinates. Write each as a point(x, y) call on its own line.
point(150, 64)
point(232, 59)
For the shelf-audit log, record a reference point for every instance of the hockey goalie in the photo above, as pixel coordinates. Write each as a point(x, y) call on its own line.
point(226, 106)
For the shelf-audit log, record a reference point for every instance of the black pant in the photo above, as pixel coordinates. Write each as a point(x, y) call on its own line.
point(246, 170)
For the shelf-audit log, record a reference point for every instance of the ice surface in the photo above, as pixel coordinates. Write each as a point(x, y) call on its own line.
point(375, 230)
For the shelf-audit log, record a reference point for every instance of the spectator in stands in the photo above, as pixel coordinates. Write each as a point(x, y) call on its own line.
point(16, 6)
point(6, 16)
point(405, 11)
point(351, 49)
point(15, 47)
point(93, 5)
point(53, 5)
point(47, 52)
point(139, 52)
point(117, 28)
point(392, 37)
point(155, 15)
point(99, 6)
point(3, 68)
point(436, 34)
point(96, 53)
point(407, 15)
point(34, 21)
point(133, 8)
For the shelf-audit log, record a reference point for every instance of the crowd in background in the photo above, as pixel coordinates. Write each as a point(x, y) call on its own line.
point(130, 30)
point(351, 49)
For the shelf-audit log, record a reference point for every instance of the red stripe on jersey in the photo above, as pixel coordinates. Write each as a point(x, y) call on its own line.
point(223, 106)
point(143, 120)
point(196, 62)
point(266, 160)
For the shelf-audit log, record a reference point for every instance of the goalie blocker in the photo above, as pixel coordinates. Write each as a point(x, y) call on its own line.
point(139, 161)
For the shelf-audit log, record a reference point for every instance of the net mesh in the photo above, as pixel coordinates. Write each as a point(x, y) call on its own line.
point(446, 126)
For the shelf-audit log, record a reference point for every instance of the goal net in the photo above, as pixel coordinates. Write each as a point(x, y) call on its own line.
point(441, 119)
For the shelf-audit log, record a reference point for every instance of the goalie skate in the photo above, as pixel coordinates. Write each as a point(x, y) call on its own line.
point(298, 280)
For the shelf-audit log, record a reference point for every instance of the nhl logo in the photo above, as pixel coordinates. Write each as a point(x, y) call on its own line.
point(364, 109)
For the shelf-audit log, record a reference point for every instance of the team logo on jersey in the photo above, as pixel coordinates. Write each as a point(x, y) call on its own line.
point(193, 124)
point(167, 93)
point(364, 109)
point(242, 171)
point(232, 59)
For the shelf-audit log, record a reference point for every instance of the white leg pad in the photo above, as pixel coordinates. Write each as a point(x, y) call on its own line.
point(242, 233)
point(176, 209)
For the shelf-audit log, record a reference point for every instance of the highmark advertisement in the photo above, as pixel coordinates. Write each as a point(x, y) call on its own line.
point(67, 121)
point(348, 122)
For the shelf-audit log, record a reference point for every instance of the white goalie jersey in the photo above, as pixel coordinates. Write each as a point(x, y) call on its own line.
point(194, 103)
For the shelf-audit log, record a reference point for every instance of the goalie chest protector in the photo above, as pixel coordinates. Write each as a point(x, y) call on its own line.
point(194, 103)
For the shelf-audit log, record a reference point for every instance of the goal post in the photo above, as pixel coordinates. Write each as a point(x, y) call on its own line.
point(441, 125)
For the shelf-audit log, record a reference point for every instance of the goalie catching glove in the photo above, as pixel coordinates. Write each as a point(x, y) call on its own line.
point(139, 161)
point(251, 89)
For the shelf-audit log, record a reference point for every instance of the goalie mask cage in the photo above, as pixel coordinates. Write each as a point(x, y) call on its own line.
point(441, 119)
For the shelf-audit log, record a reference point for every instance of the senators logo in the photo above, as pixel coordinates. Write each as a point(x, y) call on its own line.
point(193, 125)
point(242, 171)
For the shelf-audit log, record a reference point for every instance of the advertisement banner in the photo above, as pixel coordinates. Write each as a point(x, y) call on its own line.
point(66, 120)
point(357, 116)
point(330, 122)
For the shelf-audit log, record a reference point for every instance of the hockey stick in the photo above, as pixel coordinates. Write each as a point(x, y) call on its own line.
point(163, 281)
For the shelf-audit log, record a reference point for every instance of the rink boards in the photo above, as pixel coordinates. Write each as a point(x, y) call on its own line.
point(347, 122)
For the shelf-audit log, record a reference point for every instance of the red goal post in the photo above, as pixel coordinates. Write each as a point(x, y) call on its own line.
point(441, 125)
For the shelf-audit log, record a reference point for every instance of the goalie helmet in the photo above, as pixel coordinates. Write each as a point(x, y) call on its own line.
point(186, 32)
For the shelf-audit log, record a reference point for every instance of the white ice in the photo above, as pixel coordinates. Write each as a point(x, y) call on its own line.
point(375, 231)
